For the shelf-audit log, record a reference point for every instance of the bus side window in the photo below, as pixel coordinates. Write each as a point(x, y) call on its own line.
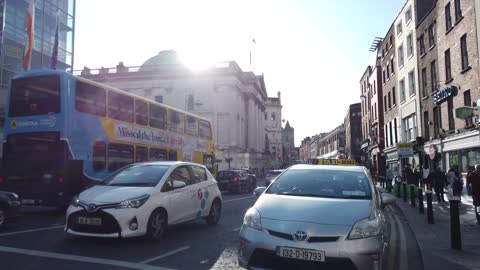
point(158, 116)
point(141, 153)
point(90, 99)
point(176, 121)
point(157, 154)
point(172, 155)
point(141, 110)
point(99, 156)
point(119, 155)
point(191, 126)
point(204, 130)
point(120, 107)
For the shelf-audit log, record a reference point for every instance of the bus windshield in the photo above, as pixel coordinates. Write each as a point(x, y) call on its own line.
point(37, 95)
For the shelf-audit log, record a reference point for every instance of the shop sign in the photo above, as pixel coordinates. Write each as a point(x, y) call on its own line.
point(404, 149)
point(442, 95)
point(393, 156)
point(464, 112)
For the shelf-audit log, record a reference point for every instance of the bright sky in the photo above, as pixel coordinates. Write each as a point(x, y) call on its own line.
point(313, 51)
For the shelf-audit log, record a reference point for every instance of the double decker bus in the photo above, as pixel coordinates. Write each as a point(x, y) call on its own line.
point(63, 133)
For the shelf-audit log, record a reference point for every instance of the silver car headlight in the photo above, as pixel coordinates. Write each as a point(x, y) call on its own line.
point(75, 201)
point(133, 203)
point(252, 219)
point(365, 228)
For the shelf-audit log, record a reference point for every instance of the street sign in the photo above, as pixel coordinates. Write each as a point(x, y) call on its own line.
point(404, 149)
point(431, 151)
point(464, 112)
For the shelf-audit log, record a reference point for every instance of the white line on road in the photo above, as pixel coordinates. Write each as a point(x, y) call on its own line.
point(238, 199)
point(165, 255)
point(32, 230)
point(77, 258)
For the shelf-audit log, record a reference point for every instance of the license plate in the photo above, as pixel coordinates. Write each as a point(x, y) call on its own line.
point(301, 254)
point(89, 221)
point(28, 201)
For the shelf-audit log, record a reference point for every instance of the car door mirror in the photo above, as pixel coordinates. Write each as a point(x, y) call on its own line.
point(387, 199)
point(178, 184)
point(259, 190)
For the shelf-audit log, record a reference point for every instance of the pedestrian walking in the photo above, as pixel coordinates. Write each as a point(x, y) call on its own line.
point(439, 180)
point(425, 173)
point(410, 176)
point(473, 180)
point(455, 181)
point(389, 179)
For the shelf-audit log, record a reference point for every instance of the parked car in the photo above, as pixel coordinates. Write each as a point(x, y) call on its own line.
point(9, 208)
point(252, 176)
point(143, 199)
point(236, 181)
point(272, 174)
point(309, 214)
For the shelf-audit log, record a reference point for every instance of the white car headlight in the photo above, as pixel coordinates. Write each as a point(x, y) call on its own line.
point(75, 201)
point(365, 228)
point(133, 203)
point(252, 219)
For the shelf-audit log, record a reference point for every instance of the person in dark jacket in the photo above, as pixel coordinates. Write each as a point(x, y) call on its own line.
point(439, 180)
point(473, 179)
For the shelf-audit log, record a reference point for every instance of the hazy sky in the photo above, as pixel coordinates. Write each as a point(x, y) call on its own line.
point(314, 51)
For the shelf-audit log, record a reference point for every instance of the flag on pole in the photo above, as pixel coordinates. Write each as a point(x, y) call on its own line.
point(30, 20)
point(53, 63)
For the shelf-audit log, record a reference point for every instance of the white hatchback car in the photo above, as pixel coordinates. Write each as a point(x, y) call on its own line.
point(144, 199)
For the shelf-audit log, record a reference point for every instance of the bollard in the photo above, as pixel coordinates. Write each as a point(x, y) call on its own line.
point(455, 235)
point(404, 191)
point(412, 197)
point(421, 209)
point(429, 207)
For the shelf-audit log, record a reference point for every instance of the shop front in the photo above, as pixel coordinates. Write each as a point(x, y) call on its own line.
point(393, 161)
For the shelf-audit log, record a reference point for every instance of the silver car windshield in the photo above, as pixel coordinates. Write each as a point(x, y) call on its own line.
point(137, 175)
point(322, 183)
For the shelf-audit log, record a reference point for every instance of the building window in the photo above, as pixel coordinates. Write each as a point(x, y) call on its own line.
point(448, 66)
point(395, 129)
point(424, 82)
point(388, 71)
point(411, 83)
point(399, 28)
point(390, 132)
point(383, 53)
point(426, 131)
point(464, 51)
point(451, 118)
point(400, 56)
point(431, 35)
point(437, 120)
point(448, 17)
point(273, 116)
point(389, 101)
point(392, 66)
point(409, 45)
point(391, 40)
point(467, 100)
point(266, 114)
point(433, 75)
point(458, 10)
point(421, 41)
point(402, 91)
point(385, 103)
point(409, 125)
point(394, 97)
point(159, 99)
point(384, 78)
point(408, 15)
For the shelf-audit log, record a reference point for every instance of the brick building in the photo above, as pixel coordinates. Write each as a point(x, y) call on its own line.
point(365, 96)
point(353, 134)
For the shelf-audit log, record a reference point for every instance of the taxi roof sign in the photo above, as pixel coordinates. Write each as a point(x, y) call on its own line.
point(339, 162)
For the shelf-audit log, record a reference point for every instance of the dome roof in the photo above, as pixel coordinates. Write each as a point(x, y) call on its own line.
point(163, 60)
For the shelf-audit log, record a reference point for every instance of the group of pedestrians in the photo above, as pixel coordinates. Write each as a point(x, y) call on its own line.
point(435, 179)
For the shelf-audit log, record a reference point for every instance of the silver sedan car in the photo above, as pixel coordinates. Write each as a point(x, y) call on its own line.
point(316, 217)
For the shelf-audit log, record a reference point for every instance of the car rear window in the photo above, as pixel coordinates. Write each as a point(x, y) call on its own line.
point(225, 175)
point(322, 183)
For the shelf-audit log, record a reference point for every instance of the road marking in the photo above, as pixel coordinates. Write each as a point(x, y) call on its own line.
point(84, 259)
point(238, 199)
point(165, 255)
point(33, 230)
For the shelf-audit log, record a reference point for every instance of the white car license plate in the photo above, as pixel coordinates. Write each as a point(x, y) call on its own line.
point(89, 221)
point(301, 254)
point(28, 201)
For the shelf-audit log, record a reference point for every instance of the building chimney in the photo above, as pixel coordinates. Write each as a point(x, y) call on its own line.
point(121, 68)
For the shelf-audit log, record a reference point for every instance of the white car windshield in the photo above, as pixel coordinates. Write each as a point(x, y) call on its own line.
point(321, 183)
point(137, 175)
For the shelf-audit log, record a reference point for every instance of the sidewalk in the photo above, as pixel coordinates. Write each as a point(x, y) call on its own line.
point(434, 239)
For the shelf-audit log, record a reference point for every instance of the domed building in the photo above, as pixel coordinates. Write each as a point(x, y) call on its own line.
point(232, 99)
